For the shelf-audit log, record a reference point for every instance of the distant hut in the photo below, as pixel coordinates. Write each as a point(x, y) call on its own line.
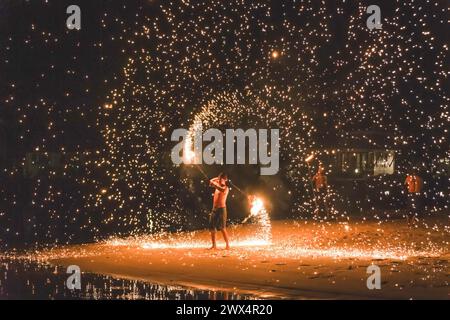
point(357, 165)
point(38, 162)
point(359, 155)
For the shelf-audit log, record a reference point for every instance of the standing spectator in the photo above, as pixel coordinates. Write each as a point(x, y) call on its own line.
point(414, 184)
point(320, 184)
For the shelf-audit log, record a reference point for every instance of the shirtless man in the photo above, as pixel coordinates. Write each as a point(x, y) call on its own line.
point(218, 216)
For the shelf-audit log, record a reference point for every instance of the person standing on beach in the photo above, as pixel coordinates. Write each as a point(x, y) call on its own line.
point(218, 215)
point(320, 183)
point(414, 185)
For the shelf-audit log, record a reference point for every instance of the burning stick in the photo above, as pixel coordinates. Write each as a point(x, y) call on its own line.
point(236, 187)
point(309, 158)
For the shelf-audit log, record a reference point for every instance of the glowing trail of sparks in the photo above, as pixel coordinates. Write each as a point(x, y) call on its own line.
point(203, 244)
point(283, 251)
point(346, 253)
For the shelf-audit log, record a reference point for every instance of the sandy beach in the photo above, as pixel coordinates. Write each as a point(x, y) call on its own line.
point(302, 260)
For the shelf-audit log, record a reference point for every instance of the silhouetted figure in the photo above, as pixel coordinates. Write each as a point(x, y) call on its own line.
point(218, 216)
point(414, 184)
point(320, 184)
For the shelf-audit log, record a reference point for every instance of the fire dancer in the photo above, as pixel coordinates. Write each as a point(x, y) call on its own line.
point(320, 183)
point(414, 185)
point(218, 216)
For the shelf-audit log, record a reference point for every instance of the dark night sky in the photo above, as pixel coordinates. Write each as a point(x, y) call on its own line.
point(55, 84)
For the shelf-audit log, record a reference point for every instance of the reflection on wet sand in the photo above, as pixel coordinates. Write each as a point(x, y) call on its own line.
point(26, 279)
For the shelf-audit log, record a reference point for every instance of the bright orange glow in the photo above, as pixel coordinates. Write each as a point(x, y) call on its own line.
point(256, 205)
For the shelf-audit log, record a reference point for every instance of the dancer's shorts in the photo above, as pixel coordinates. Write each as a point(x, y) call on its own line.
point(218, 219)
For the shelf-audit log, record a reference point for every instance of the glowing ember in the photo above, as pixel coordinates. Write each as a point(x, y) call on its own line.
point(309, 158)
point(275, 54)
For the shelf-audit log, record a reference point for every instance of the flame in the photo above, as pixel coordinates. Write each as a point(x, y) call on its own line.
point(256, 205)
point(188, 153)
point(261, 216)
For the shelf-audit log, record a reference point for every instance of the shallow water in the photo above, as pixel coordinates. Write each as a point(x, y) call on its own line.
point(25, 279)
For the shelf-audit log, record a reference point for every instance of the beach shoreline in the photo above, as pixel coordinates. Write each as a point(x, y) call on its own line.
point(303, 261)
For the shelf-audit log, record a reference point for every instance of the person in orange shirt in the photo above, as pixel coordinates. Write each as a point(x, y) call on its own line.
point(320, 185)
point(218, 215)
point(414, 184)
